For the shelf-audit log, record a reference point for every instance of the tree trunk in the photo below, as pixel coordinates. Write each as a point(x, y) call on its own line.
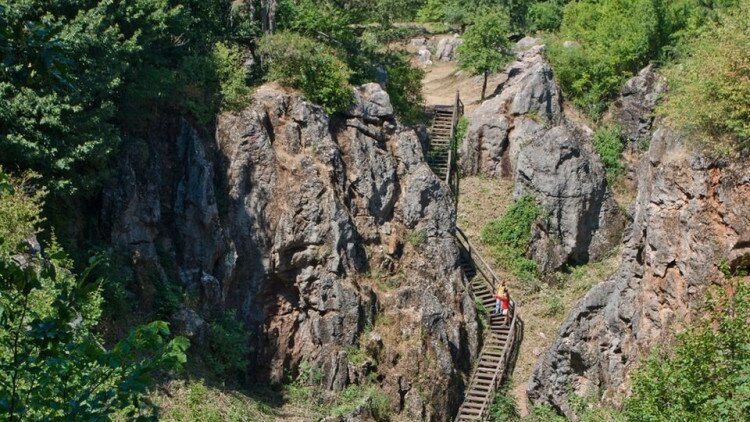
point(268, 15)
point(484, 86)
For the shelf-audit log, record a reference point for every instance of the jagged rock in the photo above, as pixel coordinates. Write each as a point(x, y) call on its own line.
point(281, 215)
point(418, 42)
point(633, 109)
point(690, 213)
point(526, 43)
point(424, 57)
point(562, 173)
point(523, 133)
point(446, 48)
point(571, 44)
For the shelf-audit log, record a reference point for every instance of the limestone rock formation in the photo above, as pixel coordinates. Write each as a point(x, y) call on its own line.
point(690, 214)
point(561, 171)
point(523, 133)
point(318, 230)
point(634, 107)
point(446, 48)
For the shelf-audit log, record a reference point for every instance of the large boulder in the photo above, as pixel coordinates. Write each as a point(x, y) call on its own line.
point(446, 48)
point(691, 213)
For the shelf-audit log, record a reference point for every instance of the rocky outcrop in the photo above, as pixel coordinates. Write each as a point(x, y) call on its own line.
point(299, 221)
point(523, 133)
point(446, 48)
point(690, 214)
point(634, 108)
point(561, 171)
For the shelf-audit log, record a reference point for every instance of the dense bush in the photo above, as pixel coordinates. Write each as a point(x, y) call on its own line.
point(404, 87)
point(710, 89)
point(20, 211)
point(77, 76)
point(616, 38)
point(312, 67)
point(608, 143)
point(545, 16)
point(707, 375)
point(509, 237)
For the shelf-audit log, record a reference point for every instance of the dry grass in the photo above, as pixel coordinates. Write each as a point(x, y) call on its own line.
point(483, 200)
point(442, 79)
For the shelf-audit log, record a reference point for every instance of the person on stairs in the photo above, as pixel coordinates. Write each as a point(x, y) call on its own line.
point(502, 301)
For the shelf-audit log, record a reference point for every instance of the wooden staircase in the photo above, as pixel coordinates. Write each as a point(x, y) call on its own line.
point(500, 340)
point(441, 137)
point(504, 333)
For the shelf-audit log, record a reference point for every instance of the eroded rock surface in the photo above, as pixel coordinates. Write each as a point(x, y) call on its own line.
point(327, 235)
point(690, 214)
point(633, 109)
point(524, 134)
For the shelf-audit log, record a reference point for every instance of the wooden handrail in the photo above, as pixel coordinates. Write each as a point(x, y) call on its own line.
point(487, 271)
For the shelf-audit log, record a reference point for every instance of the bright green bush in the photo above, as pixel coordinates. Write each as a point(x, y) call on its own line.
point(504, 407)
point(19, 211)
point(710, 89)
point(310, 66)
point(52, 363)
point(616, 37)
point(608, 143)
point(545, 16)
point(707, 374)
point(404, 87)
point(509, 237)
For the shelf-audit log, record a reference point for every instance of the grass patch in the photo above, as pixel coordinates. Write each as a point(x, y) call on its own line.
point(508, 239)
point(416, 238)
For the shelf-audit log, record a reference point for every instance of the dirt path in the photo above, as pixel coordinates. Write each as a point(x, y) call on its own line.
point(442, 79)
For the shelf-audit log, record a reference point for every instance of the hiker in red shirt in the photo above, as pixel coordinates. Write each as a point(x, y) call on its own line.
point(502, 300)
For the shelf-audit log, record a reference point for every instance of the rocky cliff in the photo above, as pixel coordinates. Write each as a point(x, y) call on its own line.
point(523, 133)
point(326, 234)
point(690, 214)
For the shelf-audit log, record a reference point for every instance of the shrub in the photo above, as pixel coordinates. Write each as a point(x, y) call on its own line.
point(710, 90)
point(404, 87)
point(462, 127)
point(416, 238)
point(608, 143)
point(707, 373)
point(545, 16)
point(617, 38)
point(19, 210)
point(228, 347)
point(313, 68)
point(503, 407)
point(509, 237)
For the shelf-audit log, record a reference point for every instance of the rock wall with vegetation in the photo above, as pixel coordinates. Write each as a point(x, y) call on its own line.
point(330, 238)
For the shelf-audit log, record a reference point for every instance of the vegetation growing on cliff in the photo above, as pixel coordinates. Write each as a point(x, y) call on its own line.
point(509, 236)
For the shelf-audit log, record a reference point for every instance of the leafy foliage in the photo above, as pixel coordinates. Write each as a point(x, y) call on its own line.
point(309, 66)
point(545, 16)
point(707, 373)
point(485, 44)
point(78, 76)
point(503, 407)
point(404, 87)
point(710, 89)
point(20, 209)
point(608, 143)
point(228, 347)
point(509, 237)
point(52, 365)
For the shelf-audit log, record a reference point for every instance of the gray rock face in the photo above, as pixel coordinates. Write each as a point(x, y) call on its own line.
point(523, 134)
point(299, 222)
point(634, 107)
point(446, 48)
point(689, 214)
point(560, 171)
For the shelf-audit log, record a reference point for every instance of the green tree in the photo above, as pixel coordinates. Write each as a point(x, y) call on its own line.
point(310, 66)
point(707, 374)
point(485, 45)
point(53, 366)
point(710, 89)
